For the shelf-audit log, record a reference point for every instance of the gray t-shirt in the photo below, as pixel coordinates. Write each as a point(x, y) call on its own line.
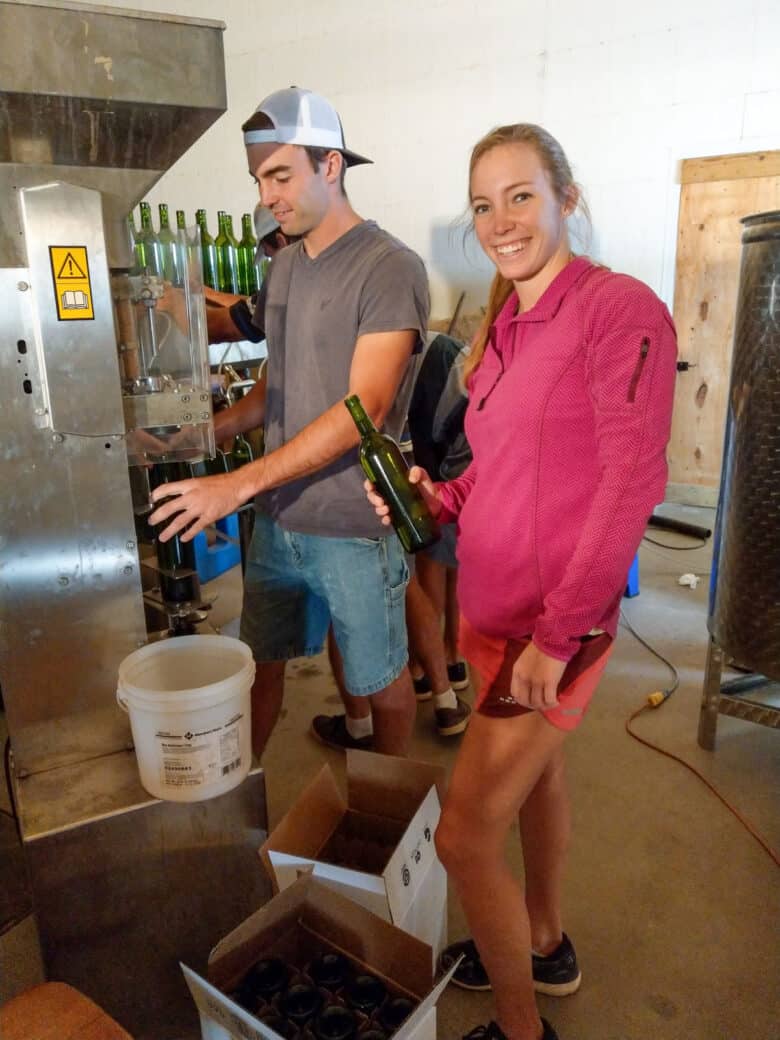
point(366, 281)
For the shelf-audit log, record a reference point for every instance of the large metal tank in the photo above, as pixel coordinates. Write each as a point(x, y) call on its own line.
point(745, 592)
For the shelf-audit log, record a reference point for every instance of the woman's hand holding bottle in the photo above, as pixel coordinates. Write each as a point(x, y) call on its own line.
point(418, 476)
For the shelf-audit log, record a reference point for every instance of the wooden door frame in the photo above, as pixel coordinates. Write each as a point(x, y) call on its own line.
point(703, 169)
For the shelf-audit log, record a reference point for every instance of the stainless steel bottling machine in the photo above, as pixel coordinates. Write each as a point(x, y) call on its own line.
point(99, 378)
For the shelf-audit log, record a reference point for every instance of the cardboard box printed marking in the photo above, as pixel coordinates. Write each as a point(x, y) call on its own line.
point(305, 920)
point(383, 829)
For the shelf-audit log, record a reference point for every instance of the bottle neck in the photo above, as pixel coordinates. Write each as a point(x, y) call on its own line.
point(146, 216)
point(180, 219)
point(164, 223)
point(358, 413)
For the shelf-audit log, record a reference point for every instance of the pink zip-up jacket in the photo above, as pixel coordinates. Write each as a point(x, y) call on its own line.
point(568, 421)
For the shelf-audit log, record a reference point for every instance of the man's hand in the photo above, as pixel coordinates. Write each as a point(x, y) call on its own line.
point(174, 303)
point(418, 476)
point(535, 679)
point(194, 504)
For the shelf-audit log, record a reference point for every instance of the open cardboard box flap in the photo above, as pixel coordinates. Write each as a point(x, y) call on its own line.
point(400, 791)
point(387, 786)
point(308, 824)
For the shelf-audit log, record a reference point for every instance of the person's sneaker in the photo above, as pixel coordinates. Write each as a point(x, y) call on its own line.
point(458, 676)
point(332, 730)
point(422, 688)
point(557, 975)
point(451, 721)
point(493, 1031)
point(470, 973)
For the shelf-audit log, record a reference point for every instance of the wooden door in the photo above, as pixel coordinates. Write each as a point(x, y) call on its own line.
point(716, 193)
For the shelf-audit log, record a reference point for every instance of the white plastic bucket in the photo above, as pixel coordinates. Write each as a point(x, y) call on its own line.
point(190, 713)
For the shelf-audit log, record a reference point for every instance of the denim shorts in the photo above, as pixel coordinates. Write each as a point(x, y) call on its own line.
point(296, 585)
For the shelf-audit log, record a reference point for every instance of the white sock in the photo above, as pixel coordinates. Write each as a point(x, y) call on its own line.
point(446, 699)
point(359, 728)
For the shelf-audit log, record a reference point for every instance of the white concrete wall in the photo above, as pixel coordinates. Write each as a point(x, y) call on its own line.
point(629, 88)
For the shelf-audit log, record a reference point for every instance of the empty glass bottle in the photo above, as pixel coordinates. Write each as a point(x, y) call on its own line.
point(385, 467)
point(208, 251)
point(227, 256)
point(131, 233)
point(248, 271)
point(148, 251)
point(169, 245)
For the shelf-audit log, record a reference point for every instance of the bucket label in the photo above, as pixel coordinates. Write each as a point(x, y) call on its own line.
point(193, 759)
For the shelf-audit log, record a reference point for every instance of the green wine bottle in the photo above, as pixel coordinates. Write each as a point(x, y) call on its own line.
point(247, 247)
point(131, 242)
point(385, 467)
point(208, 251)
point(169, 244)
point(179, 582)
point(147, 245)
point(242, 451)
point(227, 256)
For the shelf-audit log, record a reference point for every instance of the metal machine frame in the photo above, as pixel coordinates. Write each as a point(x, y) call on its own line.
point(123, 886)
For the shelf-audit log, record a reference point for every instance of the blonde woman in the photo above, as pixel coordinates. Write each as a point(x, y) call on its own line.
point(570, 385)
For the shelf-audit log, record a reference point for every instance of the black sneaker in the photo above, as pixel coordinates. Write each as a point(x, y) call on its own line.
point(422, 688)
point(470, 973)
point(458, 676)
point(451, 721)
point(493, 1031)
point(557, 975)
point(332, 730)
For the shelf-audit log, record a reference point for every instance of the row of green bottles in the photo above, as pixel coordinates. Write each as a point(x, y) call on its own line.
point(160, 252)
point(229, 265)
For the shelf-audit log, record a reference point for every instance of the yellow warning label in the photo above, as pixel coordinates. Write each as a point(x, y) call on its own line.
point(72, 287)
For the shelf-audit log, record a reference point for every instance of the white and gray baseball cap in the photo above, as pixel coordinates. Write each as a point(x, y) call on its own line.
point(304, 118)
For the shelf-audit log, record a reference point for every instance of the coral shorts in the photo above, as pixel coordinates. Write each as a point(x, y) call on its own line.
point(493, 658)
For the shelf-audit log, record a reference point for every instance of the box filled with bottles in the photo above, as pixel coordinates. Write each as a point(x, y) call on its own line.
point(313, 965)
point(375, 845)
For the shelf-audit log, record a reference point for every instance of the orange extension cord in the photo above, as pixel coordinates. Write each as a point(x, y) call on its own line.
point(655, 700)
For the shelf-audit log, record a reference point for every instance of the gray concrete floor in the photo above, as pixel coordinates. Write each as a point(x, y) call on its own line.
point(672, 905)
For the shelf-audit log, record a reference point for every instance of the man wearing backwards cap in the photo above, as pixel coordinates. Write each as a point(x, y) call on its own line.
point(346, 308)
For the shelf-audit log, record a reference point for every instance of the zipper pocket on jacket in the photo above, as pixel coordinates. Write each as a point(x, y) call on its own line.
point(637, 373)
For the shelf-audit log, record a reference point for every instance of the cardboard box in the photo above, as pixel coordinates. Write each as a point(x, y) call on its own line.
point(299, 923)
point(394, 804)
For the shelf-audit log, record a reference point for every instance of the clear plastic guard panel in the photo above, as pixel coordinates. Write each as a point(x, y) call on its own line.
point(163, 356)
